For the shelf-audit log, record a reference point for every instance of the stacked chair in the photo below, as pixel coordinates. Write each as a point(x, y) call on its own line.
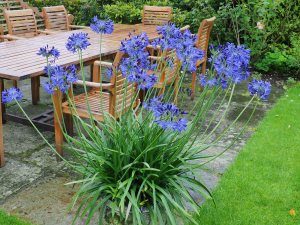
point(156, 15)
point(57, 19)
point(17, 5)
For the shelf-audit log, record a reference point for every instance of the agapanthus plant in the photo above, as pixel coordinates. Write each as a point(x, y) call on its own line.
point(142, 167)
point(102, 26)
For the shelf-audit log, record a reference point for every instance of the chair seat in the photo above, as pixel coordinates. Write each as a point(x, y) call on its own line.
point(98, 105)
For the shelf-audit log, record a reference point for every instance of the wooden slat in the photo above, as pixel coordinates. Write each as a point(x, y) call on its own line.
point(156, 15)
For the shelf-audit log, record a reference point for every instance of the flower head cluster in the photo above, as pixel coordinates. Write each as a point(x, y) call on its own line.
point(167, 115)
point(134, 67)
point(102, 26)
point(11, 94)
point(183, 42)
point(208, 82)
point(77, 42)
point(170, 35)
point(59, 78)
point(49, 52)
point(187, 53)
point(109, 73)
point(260, 88)
point(231, 63)
point(135, 46)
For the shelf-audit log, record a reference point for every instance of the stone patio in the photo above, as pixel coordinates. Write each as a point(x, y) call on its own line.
point(32, 184)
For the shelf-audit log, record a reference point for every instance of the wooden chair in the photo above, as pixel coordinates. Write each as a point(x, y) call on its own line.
point(57, 19)
point(21, 24)
point(156, 15)
point(118, 96)
point(166, 72)
point(202, 43)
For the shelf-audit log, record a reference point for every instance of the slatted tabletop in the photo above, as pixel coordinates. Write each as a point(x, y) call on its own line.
point(18, 59)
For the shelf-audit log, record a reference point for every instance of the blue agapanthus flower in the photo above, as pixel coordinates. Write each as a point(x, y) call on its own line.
point(135, 46)
point(49, 52)
point(167, 115)
point(109, 73)
point(204, 81)
point(60, 78)
point(144, 80)
point(179, 125)
point(77, 42)
point(102, 26)
point(182, 42)
point(187, 52)
point(231, 63)
point(169, 37)
point(11, 94)
point(136, 65)
point(260, 88)
point(71, 74)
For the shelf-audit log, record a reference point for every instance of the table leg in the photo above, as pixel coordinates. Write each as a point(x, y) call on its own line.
point(91, 72)
point(2, 161)
point(35, 89)
point(58, 115)
point(3, 109)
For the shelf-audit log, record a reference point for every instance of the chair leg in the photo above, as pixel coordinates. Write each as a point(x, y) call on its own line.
point(203, 69)
point(91, 72)
point(59, 137)
point(193, 87)
point(35, 89)
point(68, 119)
point(162, 91)
point(15, 83)
point(176, 90)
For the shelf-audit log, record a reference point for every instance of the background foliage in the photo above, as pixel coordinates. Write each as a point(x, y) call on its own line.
point(275, 47)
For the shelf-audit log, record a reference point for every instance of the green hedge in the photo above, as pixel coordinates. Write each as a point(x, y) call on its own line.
point(236, 22)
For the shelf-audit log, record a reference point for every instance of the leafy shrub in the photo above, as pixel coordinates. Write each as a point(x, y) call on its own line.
point(283, 59)
point(123, 12)
point(256, 23)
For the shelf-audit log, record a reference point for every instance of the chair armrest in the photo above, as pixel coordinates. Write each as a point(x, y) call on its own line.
point(70, 18)
point(11, 37)
point(77, 27)
point(156, 58)
point(106, 86)
point(47, 32)
point(103, 63)
point(182, 29)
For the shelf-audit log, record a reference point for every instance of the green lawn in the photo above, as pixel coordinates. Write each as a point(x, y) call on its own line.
point(10, 220)
point(263, 184)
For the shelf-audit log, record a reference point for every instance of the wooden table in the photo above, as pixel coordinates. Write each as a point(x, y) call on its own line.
point(19, 61)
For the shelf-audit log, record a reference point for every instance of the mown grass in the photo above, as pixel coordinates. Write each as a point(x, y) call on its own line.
point(263, 184)
point(11, 220)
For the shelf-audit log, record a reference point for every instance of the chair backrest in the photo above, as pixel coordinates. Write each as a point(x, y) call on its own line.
point(123, 92)
point(204, 34)
point(21, 22)
point(56, 18)
point(156, 15)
